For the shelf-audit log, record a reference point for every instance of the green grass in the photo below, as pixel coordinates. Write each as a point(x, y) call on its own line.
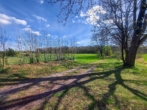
point(145, 57)
point(79, 58)
point(86, 58)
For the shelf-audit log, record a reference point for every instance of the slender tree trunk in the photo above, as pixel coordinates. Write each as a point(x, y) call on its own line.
point(3, 58)
point(101, 52)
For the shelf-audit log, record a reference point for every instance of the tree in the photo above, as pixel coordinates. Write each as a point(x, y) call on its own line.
point(129, 22)
point(100, 38)
point(125, 29)
point(3, 41)
point(70, 8)
point(20, 46)
point(11, 52)
point(139, 37)
point(32, 45)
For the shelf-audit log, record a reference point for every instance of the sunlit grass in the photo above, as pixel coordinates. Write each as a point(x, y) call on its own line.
point(86, 58)
point(80, 58)
point(145, 57)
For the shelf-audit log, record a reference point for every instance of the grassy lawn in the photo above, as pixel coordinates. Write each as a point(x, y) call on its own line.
point(86, 58)
point(145, 57)
point(108, 87)
point(80, 58)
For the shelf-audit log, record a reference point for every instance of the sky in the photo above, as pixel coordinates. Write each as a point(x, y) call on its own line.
point(36, 15)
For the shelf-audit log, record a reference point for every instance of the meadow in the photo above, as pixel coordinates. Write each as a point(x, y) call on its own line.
point(15, 71)
point(81, 58)
point(108, 87)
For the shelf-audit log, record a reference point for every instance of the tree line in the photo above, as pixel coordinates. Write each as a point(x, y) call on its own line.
point(36, 48)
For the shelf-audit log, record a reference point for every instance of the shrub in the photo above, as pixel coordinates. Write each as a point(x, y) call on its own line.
point(107, 51)
point(11, 52)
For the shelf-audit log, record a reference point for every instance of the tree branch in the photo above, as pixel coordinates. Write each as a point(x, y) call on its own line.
point(143, 39)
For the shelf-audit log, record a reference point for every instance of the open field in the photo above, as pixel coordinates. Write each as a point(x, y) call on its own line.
point(44, 69)
point(102, 85)
point(80, 58)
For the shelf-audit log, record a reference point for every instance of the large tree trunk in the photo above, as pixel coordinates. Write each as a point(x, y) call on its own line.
point(138, 30)
point(131, 54)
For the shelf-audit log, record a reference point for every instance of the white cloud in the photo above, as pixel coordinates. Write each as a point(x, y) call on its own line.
point(36, 33)
point(41, 1)
point(82, 14)
point(84, 42)
point(40, 18)
point(108, 21)
point(27, 29)
point(47, 25)
point(33, 32)
point(5, 19)
point(78, 42)
point(92, 19)
point(48, 35)
point(92, 14)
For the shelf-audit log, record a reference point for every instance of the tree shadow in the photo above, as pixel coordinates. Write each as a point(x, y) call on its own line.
point(74, 81)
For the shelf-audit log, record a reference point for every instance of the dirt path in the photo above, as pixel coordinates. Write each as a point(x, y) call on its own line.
point(28, 94)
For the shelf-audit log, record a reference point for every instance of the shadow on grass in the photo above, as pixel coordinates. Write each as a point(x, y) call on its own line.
point(69, 82)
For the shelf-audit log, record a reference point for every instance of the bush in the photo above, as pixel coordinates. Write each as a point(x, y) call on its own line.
point(5, 70)
point(27, 54)
point(11, 52)
point(107, 51)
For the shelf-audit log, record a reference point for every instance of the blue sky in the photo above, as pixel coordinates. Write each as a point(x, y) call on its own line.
point(38, 15)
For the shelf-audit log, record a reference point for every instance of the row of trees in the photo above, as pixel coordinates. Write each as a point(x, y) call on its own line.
point(37, 48)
